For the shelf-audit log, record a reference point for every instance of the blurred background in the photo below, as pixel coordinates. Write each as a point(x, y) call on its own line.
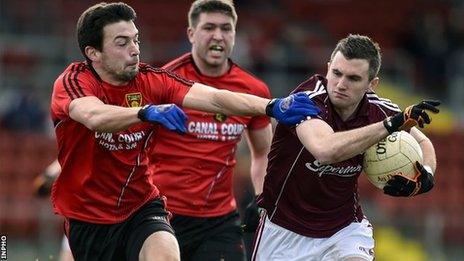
point(283, 43)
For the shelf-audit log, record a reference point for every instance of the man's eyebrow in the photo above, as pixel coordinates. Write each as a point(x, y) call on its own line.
point(220, 24)
point(355, 76)
point(125, 36)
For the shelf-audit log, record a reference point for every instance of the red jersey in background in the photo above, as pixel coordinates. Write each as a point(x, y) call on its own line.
point(194, 171)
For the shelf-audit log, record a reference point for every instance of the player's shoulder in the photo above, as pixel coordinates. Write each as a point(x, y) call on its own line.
point(147, 69)
point(245, 74)
point(314, 87)
point(179, 62)
point(160, 73)
point(381, 105)
point(77, 69)
point(76, 73)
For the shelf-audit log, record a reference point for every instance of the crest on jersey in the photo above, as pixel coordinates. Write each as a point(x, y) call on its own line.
point(134, 99)
point(220, 117)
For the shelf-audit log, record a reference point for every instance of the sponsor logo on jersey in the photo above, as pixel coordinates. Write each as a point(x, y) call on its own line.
point(215, 131)
point(346, 171)
point(134, 99)
point(119, 141)
point(220, 117)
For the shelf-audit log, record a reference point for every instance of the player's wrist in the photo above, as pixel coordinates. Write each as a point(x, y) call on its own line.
point(142, 113)
point(392, 123)
point(270, 107)
point(429, 170)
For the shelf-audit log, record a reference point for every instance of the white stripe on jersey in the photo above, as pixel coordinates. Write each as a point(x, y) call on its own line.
point(285, 182)
point(373, 98)
point(318, 90)
point(392, 107)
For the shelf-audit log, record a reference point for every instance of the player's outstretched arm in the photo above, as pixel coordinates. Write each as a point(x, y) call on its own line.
point(289, 110)
point(331, 147)
point(97, 116)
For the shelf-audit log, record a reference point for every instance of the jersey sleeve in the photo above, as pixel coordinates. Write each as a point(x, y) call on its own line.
point(259, 122)
point(315, 88)
point(75, 82)
point(381, 108)
point(167, 87)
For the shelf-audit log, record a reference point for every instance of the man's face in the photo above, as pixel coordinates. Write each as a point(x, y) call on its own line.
point(348, 81)
point(213, 38)
point(120, 53)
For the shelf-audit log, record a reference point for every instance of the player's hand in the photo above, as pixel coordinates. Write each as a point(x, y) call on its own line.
point(414, 115)
point(169, 115)
point(43, 185)
point(251, 217)
point(292, 109)
point(401, 186)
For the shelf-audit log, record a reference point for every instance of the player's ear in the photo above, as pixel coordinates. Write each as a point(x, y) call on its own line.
point(190, 31)
point(374, 83)
point(92, 53)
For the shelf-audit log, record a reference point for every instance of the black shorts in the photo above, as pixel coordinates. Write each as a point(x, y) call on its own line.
point(122, 241)
point(215, 238)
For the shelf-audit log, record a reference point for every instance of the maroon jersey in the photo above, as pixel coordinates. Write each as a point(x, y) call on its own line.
point(194, 171)
point(104, 176)
point(304, 196)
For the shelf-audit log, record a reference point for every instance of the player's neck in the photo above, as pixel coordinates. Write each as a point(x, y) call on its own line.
point(209, 70)
point(108, 78)
point(347, 113)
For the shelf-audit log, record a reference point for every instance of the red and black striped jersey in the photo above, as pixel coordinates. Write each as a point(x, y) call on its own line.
point(304, 196)
point(194, 171)
point(105, 176)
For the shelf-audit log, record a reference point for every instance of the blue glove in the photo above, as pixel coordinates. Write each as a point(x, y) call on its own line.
point(169, 115)
point(292, 109)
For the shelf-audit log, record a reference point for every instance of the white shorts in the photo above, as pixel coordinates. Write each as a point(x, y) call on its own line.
point(274, 242)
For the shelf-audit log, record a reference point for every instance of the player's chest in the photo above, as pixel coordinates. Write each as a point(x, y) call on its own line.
point(127, 96)
point(215, 126)
point(345, 169)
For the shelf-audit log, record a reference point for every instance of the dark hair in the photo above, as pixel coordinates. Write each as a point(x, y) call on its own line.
point(357, 46)
point(91, 22)
point(210, 6)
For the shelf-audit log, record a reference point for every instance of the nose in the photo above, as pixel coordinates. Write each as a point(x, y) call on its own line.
point(134, 49)
point(341, 83)
point(217, 34)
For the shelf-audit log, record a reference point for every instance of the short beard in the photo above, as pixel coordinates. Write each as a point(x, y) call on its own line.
point(126, 76)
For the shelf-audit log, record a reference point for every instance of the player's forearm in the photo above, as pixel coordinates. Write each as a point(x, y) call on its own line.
point(258, 172)
point(113, 118)
point(205, 98)
point(428, 151)
point(429, 154)
point(339, 146)
point(259, 142)
point(101, 117)
point(241, 104)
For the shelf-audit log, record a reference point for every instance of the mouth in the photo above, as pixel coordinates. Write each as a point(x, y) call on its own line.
point(133, 64)
point(216, 48)
point(339, 94)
